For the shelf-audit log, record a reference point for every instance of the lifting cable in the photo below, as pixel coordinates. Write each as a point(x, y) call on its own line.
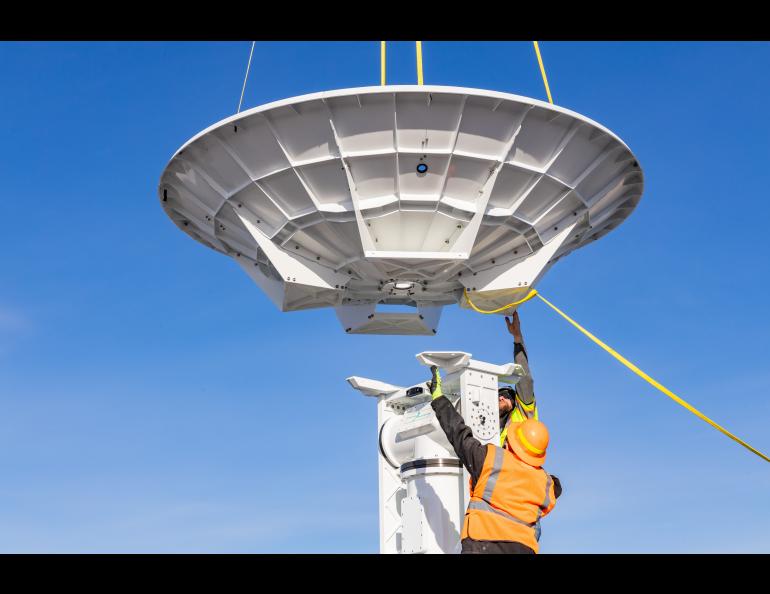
point(542, 71)
point(419, 62)
point(624, 361)
point(382, 63)
point(248, 66)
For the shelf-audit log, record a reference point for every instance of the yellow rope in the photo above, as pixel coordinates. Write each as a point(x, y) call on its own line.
point(419, 62)
point(630, 366)
point(542, 71)
point(382, 63)
point(531, 294)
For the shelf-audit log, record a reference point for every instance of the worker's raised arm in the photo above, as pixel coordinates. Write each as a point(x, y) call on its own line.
point(525, 387)
point(470, 450)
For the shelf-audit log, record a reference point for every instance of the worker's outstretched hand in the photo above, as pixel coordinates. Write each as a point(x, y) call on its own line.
point(514, 326)
point(434, 385)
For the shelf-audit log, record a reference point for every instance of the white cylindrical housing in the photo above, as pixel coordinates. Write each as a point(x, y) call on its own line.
point(432, 511)
point(432, 508)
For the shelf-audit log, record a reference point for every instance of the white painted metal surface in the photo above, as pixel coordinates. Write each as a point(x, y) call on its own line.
point(400, 195)
point(423, 489)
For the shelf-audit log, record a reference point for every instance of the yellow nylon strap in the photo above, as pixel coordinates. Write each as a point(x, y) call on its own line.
point(419, 62)
point(532, 293)
point(542, 71)
point(651, 381)
point(382, 63)
point(631, 366)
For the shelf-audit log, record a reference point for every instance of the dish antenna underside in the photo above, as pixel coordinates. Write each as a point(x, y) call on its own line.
point(400, 195)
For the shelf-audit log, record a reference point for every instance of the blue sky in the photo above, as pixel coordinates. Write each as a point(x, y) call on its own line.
point(152, 399)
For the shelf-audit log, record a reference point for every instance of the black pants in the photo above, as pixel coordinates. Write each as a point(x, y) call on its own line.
point(495, 547)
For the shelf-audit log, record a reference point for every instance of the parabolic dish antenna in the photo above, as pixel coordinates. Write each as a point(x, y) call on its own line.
point(402, 195)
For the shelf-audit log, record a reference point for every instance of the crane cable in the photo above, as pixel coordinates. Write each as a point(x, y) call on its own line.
point(382, 63)
point(419, 62)
point(248, 66)
point(542, 71)
point(624, 361)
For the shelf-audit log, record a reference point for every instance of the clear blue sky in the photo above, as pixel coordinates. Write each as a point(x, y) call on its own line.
point(153, 399)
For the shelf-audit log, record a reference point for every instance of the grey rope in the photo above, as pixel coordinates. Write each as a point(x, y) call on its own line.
point(243, 90)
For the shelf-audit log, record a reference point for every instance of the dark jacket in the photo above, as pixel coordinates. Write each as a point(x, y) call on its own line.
point(471, 453)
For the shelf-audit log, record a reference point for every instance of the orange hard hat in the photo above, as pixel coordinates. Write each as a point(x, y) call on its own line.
point(529, 441)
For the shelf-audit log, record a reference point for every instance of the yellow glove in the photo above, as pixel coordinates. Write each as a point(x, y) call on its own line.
point(435, 384)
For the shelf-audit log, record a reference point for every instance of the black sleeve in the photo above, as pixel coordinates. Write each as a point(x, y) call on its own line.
point(556, 486)
point(525, 387)
point(470, 450)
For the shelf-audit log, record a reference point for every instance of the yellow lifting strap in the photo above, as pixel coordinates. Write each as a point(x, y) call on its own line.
point(382, 63)
point(532, 293)
point(627, 363)
point(419, 62)
point(542, 71)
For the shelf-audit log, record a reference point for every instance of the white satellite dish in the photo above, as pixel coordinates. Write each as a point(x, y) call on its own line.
point(400, 195)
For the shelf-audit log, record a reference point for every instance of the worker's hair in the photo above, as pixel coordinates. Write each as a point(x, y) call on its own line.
point(508, 391)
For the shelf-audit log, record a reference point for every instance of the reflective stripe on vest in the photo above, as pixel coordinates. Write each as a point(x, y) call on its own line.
point(547, 501)
point(484, 506)
point(497, 466)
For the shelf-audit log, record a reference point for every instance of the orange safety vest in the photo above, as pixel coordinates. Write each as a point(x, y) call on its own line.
point(508, 500)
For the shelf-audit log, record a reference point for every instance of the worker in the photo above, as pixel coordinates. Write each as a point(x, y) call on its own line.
point(517, 404)
point(509, 488)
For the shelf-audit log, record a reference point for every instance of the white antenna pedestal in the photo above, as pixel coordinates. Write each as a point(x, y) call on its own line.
point(423, 489)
